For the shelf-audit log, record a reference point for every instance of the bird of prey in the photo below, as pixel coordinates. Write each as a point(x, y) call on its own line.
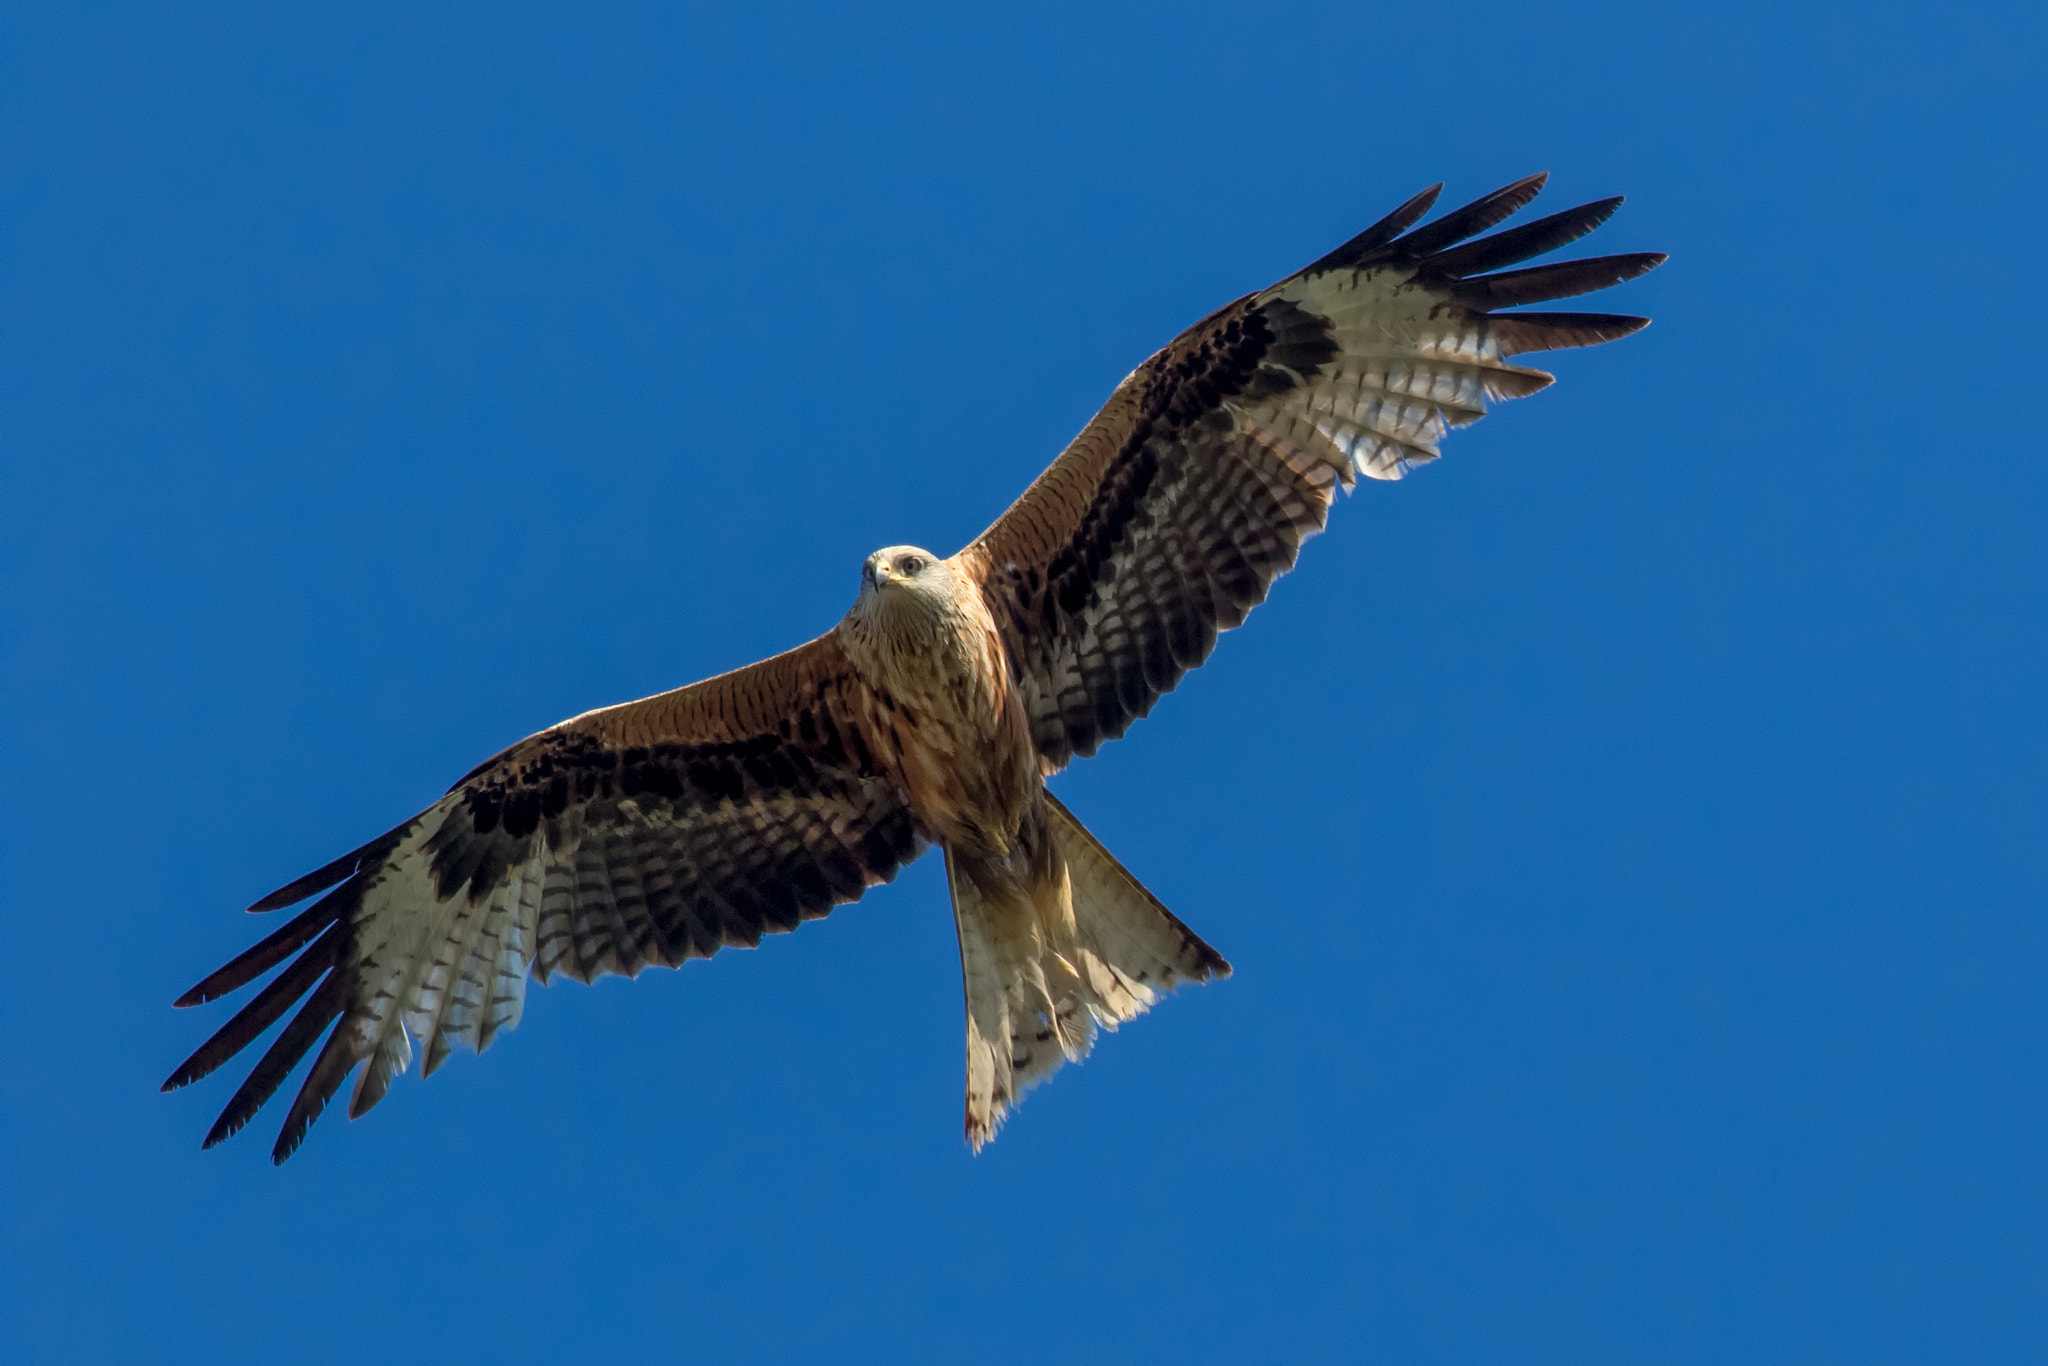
point(665, 829)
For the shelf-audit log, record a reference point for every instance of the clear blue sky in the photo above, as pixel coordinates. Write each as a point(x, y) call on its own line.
point(1628, 832)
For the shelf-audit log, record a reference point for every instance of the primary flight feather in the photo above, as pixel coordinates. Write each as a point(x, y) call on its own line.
point(665, 829)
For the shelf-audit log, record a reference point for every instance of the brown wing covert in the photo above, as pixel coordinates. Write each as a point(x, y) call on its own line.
point(646, 834)
point(1170, 515)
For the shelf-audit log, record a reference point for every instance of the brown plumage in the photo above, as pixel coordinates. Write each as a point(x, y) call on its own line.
point(665, 829)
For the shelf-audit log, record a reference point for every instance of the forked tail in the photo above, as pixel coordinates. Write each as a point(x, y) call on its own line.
point(1070, 945)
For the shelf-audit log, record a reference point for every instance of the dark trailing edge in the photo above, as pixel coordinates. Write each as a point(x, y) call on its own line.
point(1190, 522)
point(696, 847)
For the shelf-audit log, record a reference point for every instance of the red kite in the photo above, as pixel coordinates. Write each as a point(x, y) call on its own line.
point(662, 830)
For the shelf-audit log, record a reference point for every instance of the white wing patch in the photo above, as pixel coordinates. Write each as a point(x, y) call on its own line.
point(453, 973)
point(1407, 370)
point(429, 968)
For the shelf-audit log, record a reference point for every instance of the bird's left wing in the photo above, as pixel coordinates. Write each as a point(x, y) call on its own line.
point(647, 833)
point(1173, 511)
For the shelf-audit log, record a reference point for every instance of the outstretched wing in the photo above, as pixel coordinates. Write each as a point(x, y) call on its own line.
point(652, 832)
point(1171, 514)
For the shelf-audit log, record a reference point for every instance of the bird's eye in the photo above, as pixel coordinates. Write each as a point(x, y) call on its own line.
point(910, 564)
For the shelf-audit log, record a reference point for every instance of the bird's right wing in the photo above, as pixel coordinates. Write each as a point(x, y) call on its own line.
point(1173, 511)
point(647, 833)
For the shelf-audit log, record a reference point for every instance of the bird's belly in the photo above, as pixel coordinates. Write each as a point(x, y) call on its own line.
point(943, 709)
point(969, 784)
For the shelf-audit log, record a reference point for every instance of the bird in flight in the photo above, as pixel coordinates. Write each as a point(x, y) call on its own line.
point(666, 829)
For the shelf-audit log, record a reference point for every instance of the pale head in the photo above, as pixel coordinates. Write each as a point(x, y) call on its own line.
point(906, 591)
point(898, 566)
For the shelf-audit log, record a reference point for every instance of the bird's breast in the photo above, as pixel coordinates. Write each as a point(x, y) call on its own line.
point(944, 709)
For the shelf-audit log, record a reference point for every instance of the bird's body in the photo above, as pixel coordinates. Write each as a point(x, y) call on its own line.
point(1046, 955)
point(945, 709)
point(664, 829)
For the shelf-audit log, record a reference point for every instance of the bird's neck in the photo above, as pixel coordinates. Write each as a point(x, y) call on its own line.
point(914, 646)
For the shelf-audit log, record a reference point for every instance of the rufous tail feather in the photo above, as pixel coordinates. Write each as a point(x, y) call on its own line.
point(1050, 956)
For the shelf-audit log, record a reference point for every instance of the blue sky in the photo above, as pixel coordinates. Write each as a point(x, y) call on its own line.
point(1628, 832)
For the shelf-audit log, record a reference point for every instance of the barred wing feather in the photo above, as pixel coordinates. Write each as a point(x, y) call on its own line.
point(1168, 518)
point(648, 833)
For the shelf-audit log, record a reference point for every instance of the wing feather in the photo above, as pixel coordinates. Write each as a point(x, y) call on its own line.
point(1459, 224)
point(643, 834)
point(1515, 245)
point(280, 994)
point(1560, 280)
point(264, 955)
point(292, 1043)
point(1382, 232)
point(1171, 514)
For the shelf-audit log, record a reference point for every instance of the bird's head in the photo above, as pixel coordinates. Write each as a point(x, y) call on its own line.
point(902, 587)
point(898, 566)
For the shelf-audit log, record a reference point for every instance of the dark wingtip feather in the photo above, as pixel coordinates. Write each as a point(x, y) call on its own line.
point(1559, 280)
point(330, 1070)
point(319, 880)
point(266, 954)
point(257, 1016)
point(1519, 244)
point(297, 1038)
point(1380, 233)
point(1521, 332)
point(1403, 218)
point(1473, 218)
